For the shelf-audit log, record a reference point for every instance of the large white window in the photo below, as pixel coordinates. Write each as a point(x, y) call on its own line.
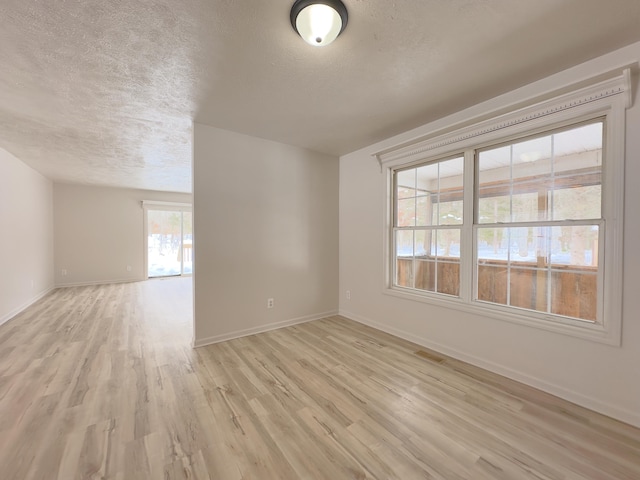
point(516, 218)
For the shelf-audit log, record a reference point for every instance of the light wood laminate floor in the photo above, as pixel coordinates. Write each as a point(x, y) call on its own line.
point(101, 382)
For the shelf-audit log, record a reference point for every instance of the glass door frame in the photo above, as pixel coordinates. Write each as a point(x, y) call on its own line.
point(166, 206)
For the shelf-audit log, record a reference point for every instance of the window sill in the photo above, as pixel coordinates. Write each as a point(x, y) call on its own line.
point(574, 328)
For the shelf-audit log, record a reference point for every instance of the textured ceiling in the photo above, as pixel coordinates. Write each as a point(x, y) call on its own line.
point(104, 92)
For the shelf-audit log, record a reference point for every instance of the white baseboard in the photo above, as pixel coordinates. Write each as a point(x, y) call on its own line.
point(99, 282)
point(201, 342)
point(5, 318)
point(605, 408)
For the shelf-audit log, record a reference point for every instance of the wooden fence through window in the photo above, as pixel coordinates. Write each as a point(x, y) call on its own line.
point(573, 289)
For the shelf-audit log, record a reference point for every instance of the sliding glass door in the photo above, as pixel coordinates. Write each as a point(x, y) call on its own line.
point(187, 243)
point(169, 243)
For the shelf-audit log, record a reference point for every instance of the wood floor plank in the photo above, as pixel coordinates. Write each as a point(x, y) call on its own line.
point(101, 382)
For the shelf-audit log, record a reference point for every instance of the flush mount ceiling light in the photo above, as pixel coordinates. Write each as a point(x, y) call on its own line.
point(319, 22)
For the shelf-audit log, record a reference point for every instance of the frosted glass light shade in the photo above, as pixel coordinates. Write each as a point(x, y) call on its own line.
point(318, 22)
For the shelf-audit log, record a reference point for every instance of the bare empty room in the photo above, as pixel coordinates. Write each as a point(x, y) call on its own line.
point(319, 239)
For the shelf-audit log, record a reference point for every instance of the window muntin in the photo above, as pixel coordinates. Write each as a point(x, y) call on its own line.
point(550, 186)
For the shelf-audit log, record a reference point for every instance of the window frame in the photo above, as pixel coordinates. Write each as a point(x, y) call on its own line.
point(607, 100)
point(547, 223)
point(430, 227)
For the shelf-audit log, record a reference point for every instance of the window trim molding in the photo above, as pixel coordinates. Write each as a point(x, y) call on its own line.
point(158, 205)
point(434, 144)
point(606, 98)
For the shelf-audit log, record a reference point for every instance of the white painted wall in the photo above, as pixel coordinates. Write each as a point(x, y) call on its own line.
point(265, 225)
point(99, 231)
point(600, 377)
point(26, 235)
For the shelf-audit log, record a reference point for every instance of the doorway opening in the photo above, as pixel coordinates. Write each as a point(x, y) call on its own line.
point(168, 239)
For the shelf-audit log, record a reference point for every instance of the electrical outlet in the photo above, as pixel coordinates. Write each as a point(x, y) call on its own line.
point(64, 272)
point(348, 294)
point(128, 268)
point(270, 303)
